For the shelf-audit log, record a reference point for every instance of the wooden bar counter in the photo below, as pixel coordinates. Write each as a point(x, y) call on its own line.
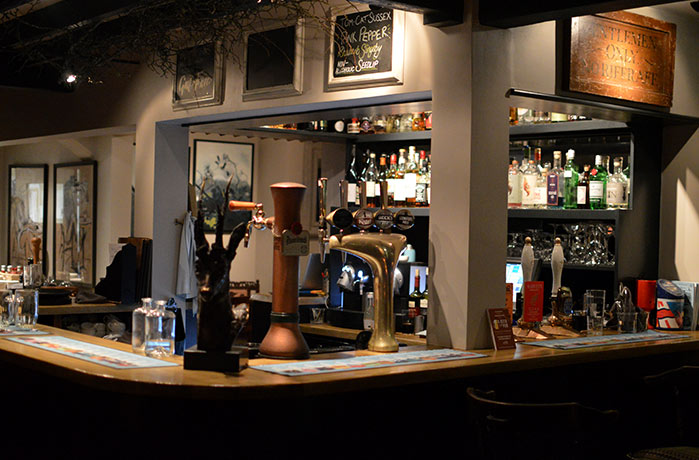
point(259, 414)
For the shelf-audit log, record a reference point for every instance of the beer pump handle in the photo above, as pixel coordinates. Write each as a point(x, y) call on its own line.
point(322, 222)
point(258, 220)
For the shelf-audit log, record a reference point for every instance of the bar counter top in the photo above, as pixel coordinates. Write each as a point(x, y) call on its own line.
point(254, 384)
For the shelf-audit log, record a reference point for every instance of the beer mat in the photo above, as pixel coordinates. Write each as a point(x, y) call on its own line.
point(116, 359)
point(603, 340)
point(366, 362)
point(15, 330)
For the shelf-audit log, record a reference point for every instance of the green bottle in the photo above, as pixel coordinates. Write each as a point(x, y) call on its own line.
point(598, 185)
point(570, 182)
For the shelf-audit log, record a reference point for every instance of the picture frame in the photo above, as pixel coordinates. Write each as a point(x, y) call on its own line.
point(217, 161)
point(27, 212)
point(199, 77)
point(273, 62)
point(75, 222)
point(350, 65)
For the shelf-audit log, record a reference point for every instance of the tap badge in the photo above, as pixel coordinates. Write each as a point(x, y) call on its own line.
point(295, 244)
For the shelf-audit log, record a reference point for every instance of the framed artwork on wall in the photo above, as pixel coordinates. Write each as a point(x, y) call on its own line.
point(27, 205)
point(199, 77)
point(215, 162)
point(75, 212)
point(274, 63)
point(367, 48)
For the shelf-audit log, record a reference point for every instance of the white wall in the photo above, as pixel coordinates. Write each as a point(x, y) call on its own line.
point(114, 156)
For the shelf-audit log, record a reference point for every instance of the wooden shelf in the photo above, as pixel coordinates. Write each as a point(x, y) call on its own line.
point(564, 214)
point(566, 127)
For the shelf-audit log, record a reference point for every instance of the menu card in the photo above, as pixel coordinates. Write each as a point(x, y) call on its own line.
point(501, 328)
point(533, 301)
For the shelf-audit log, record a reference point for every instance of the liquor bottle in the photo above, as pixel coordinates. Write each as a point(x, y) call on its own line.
point(422, 181)
point(425, 295)
point(598, 185)
point(617, 187)
point(160, 331)
point(526, 155)
point(365, 126)
point(418, 122)
point(383, 168)
point(540, 191)
point(530, 178)
point(391, 178)
point(415, 297)
point(513, 116)
point(339, 126)
point(353, 126)
point(352, 179)
point(379, 123)
point(554, 183)
point(584, 188)
point(428, 121)
point(514, 186)
point(399, 187)
point(406, 122)
point(371, 179)
point(410, 177)
point(570, 182)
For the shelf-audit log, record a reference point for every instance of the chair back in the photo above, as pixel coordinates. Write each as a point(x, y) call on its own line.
point(567, 430)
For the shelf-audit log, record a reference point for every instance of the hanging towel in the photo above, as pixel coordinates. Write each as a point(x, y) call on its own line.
point(187, 284)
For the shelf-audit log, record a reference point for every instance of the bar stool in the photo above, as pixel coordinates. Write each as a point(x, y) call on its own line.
point(543, 431)
point(675, 400)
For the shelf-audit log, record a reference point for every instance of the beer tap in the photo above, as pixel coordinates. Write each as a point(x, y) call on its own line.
point(258, 220)
point(340, 218)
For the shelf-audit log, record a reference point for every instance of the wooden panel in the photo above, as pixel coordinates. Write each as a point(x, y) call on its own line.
point(624, 56)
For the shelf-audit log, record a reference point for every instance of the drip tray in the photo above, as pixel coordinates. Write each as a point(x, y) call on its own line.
point(317, 345)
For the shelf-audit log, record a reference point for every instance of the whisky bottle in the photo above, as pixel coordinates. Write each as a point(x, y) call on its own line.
point(391, 177)
point(410, 177)
point(514, 186)
point(584, 188)
point(617, 187)
point(352, 179)
point(570, 182)
point(422, 181)
point(399, 186)
point(598, 185)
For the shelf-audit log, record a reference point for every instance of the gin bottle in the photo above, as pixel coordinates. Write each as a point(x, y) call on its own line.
point(138, 325)
point(530, 179)
point(160, 331)
point(598, 185)
point(570, 182)
point(617, 187)
point(514, 186)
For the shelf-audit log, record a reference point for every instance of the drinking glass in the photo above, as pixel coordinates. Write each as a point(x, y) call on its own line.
point(6, 306)
point(594, 307)
point(27, 307)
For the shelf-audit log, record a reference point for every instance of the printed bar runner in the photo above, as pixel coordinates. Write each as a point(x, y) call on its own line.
point(15, 330)
point(366, 362)
point(97, 354)
point(603, 340)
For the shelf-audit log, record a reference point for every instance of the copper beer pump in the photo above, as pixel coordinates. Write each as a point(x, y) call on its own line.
point(284, 338)
point(381, 251)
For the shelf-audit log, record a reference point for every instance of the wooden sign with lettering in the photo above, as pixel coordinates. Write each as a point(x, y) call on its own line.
point(366, 48)
point(624, 56)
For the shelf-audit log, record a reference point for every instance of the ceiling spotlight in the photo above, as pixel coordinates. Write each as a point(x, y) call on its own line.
point(71, 78)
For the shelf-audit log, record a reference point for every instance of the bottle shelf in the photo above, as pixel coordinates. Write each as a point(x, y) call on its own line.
point(565, 214)
point(392, 137)
point(326, 136)
point(566, 127)
point(417, 212)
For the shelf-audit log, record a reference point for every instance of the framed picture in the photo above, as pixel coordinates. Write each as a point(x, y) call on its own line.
point(366, 48)
point(75, 212)
point(216, 162)
point(274, 63)
point(27, 199)
point(199, 79)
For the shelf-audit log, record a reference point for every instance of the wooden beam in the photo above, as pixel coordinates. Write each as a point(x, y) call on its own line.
point(510, 13)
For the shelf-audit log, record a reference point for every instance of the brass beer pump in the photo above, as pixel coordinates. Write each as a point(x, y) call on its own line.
point(381, 252)
point(284, 338)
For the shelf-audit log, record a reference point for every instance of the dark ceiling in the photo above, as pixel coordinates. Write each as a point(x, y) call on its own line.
point(35, 35)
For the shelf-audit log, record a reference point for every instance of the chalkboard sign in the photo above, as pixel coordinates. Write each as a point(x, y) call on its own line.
point(198, 77)
point(274, 63)
point(367, 48)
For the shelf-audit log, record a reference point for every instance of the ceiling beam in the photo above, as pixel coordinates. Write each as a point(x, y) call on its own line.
point(509, 13)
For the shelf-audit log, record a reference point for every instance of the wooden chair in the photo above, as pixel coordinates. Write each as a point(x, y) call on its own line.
point(520, 431)
point(672, 402)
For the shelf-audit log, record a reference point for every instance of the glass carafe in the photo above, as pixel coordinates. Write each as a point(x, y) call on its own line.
point(160, 331)
point(138, 325)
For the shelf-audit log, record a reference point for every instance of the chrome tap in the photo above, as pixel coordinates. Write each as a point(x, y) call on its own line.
point(258, 220)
